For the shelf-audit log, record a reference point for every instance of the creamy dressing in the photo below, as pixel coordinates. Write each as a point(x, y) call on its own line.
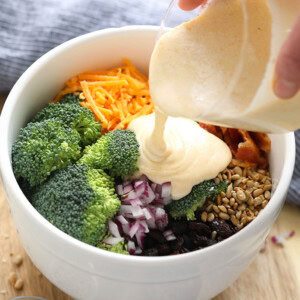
point(178, 150)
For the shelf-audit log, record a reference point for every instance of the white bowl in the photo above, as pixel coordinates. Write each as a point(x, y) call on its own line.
point(83, 271)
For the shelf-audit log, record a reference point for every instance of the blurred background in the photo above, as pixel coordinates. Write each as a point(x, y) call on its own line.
point(29, 28)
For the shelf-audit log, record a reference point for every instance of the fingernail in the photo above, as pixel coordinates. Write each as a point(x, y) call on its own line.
point(285, 89)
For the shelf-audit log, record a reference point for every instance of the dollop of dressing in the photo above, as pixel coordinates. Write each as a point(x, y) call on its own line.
point(178, 150)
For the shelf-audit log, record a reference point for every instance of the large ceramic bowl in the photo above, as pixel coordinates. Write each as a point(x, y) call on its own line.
point(86, 272)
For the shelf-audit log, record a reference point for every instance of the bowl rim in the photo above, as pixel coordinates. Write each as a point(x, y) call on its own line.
point(10, 183)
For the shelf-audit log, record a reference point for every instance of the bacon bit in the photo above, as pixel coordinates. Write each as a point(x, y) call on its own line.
point(249, 151)
point(281, 239)
point(246, 146)
point(215, 130)
point(261, 140)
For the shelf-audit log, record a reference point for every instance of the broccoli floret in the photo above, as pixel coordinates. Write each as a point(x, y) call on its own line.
point(186, 206)
point(79, 201)
point(116, 151)
point(42, 148)
point(72, 115)
point(70, 99)
point(120, 247)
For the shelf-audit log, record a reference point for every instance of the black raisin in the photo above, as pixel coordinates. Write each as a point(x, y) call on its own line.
point(200, 228)
point(201, 240)
point(150, 252)
point(193, 234)
point(149, 242)
point(224, 230)
point(211, 242)
point(157, 236)
point(187, 242)
point(179, 227)
point(164, 249)
point(214, 225)
point(177, 244)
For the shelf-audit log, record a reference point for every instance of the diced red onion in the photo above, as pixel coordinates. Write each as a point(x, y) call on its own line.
point(119, 189)
point(167, 200)
point(280, 239)
point(130, 196)
point(169, 235)
point(138, 183)
point(148, 196)
point(136, 202)
point(159, 206)
point(131, 247)
point(127, 188)
point(145, 226)
point(161, 218)
point(125, 209)
point(140, 188)
point(142, 209)
point(160, 212)
point(140, 235)
point(158, 189)
point(161, 224)
point(153, 186)
point(146, 193)
point(151, 223)
point(138, 250)
point(137, 212)
point(119, 226)
point(126, 228)
point(166, 189)
point(167, 232)
point(113, 240)
point(113, 229)
point(124, 201)
point(158, 202)
point(134, 228)
point(147, 213)
point(122, 220)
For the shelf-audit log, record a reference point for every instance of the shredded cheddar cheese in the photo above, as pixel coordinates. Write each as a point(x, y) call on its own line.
point(116, 96)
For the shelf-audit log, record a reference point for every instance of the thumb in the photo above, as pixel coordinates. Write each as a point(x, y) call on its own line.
point(287, 69)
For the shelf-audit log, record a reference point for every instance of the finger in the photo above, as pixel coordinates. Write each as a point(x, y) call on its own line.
point(190, 4)
point(287, 70)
